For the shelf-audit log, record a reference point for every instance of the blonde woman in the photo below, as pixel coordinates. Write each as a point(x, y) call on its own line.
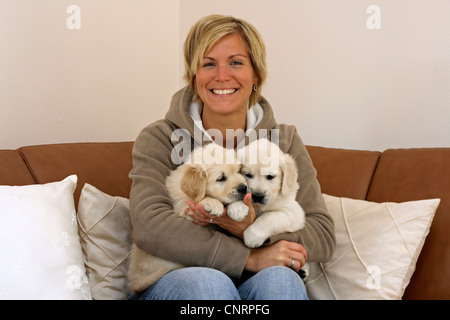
point(225, 69)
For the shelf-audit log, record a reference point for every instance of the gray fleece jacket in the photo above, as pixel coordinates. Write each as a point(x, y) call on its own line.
point(160, 232)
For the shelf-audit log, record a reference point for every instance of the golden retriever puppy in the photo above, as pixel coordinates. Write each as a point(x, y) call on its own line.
point(272, 179)
point(210, 177)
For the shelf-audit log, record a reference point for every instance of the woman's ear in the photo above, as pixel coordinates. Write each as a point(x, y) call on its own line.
point(193, 183)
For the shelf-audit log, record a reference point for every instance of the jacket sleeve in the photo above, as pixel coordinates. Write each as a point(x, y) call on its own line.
point(156, 228)
point(317, 236)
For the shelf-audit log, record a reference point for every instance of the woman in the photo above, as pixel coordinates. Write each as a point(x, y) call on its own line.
point(225, 69)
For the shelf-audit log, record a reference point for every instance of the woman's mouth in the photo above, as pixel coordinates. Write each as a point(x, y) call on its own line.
point(222, 92)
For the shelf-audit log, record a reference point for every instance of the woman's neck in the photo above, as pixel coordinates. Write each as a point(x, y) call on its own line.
point(236, 123)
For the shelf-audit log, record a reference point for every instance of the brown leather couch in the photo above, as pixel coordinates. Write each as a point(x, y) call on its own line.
point(394, 175)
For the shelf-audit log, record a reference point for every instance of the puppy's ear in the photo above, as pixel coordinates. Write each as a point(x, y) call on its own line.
point(290, 175)
point(193, 183)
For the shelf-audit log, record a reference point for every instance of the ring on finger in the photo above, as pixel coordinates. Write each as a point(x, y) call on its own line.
point(292, 263)
point(210, 221)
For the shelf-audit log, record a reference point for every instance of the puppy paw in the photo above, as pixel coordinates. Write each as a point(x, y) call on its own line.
point(237, 210)
point(212, 206)
point(303, 272)
point(253, 238)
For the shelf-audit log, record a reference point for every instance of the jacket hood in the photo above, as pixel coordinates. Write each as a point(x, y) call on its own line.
point(178, 113)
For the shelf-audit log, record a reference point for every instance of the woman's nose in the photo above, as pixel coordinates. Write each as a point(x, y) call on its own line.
point(223, 74)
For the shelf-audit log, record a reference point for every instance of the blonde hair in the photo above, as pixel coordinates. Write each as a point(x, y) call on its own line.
point(210, 29)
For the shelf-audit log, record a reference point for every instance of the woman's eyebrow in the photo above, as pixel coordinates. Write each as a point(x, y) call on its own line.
point(239, 55)
point(230, 57)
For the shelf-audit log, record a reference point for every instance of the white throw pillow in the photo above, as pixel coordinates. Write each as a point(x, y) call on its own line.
point(377, 249)
point(105, 233)
point(39, 243)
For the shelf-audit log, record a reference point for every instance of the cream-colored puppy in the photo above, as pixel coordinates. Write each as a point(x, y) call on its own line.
point(211, 177)
point(272, 179)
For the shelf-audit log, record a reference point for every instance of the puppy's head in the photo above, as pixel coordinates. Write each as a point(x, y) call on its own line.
point(225, 183)
point(215, 172)
point(270, 173)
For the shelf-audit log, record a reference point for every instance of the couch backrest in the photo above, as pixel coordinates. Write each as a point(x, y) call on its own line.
point(13, 170)
point(103, 165)
point(398, 175)
point(344, 173)
point(414, 174)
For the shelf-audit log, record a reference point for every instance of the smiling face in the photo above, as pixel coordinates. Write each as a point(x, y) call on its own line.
point(225, 78)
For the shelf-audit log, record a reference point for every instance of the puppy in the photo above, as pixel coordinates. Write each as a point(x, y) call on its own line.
point(211, 177)
point(272, 179)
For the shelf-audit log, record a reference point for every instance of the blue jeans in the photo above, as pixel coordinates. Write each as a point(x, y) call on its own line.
point(196, 283)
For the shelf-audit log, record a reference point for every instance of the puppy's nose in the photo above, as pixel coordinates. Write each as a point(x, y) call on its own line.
point(258, 197)
point(242, 189)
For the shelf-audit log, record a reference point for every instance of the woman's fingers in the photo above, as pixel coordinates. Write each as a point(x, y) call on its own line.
point(280, 253)
point(237, 228)
point(295, 254)
point(296, 262)
point(199, 214)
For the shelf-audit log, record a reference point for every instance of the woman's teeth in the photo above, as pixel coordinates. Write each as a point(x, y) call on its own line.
point(223, 91)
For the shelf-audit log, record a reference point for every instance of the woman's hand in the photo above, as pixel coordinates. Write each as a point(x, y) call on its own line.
point(280, 253)
point(203, 218)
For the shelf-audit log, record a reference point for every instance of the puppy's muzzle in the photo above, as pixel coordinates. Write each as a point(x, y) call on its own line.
point(258, 197)
point(242, 189)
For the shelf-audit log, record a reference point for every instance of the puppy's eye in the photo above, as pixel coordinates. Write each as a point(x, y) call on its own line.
point(270, 177)
point(248, 175)
point(222, 179)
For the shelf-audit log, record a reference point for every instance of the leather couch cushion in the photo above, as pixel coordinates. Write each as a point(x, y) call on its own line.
point(344, 173)
point(414, 174)
point(13, 170)
point(103, 165)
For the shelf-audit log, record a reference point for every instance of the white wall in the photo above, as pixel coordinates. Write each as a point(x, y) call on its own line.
point(103, 82)
point(340, 83)
point(344, 85)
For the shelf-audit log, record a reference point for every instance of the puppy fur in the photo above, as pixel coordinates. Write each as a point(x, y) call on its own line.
point(211, 177)
point(272, 179)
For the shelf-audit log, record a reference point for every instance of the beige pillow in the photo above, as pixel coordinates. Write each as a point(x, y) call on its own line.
point(105, 235)
point(377, 249)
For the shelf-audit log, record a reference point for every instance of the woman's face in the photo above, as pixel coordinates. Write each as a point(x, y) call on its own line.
point(225, 78)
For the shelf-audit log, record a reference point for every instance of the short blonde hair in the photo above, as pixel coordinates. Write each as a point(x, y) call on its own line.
point(210, 29)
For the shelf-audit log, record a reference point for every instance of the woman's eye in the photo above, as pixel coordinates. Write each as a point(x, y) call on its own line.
point(270, 177)
point(236, 63)
point(208, 64)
